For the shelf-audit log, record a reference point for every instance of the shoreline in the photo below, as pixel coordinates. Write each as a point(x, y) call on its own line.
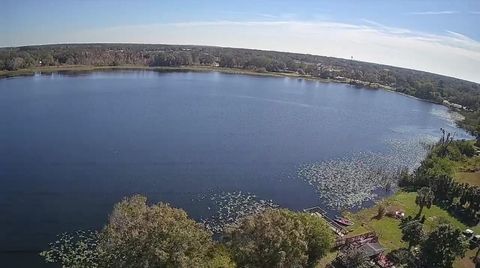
point(197, 68)
point(225, 70)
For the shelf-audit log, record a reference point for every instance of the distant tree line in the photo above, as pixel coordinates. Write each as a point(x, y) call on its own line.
point(420, 84)
point(416, 83)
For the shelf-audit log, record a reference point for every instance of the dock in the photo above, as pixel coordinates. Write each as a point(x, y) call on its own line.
point(319, 212)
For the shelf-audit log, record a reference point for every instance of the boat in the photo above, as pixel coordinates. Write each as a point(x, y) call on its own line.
point(343, 221)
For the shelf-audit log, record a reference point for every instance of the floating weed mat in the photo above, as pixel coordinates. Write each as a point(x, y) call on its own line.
point(407, 153)
point(230, 207)
point(348, 182)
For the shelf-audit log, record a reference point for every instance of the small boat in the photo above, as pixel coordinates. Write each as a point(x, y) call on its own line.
point(343, 221)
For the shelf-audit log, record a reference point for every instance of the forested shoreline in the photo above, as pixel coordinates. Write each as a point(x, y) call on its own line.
point(458, 94)
point(416, 83)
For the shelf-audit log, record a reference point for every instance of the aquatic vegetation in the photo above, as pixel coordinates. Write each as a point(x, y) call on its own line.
point(348, 182)
point(230, 207)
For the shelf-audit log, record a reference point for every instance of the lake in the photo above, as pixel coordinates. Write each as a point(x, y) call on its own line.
point(73, 145)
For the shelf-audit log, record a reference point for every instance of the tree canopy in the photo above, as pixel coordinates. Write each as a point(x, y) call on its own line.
point(142, 235)
point(279, 238)
point(413, 233)
point(138, 235)
point(424, 198)
point(442, 246)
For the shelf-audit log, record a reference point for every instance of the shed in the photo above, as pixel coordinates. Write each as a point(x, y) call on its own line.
point(371, 250)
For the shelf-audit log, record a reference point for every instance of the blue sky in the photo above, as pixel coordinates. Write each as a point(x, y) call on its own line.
point(438, 36)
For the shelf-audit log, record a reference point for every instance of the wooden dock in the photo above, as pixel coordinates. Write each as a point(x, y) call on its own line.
point(336, 228)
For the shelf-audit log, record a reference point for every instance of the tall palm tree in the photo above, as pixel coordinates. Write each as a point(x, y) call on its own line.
point(424, 198)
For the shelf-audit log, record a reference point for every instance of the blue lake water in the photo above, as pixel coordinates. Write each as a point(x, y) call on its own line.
point(73, 145)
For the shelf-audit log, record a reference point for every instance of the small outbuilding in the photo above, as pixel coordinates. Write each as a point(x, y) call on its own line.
point(371, 250)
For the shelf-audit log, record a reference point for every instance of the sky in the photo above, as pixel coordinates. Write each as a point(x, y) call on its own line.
point(436, 36)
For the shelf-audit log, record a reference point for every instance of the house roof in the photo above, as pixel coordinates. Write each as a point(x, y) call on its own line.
point(371, 249)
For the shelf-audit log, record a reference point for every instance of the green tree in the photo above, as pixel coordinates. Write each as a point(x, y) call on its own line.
point(138, 235)
point(442, 246)
point(228, 61)
point(318, 236)
point(14, 64)
point(413, 233)
point(424, 198)
point(381, 210)
point(279, 238)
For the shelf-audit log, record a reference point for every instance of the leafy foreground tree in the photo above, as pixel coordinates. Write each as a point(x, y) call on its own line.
point(442, 246)
point(279, 238)
point(413, 233)
point(424, 198)
point(138, 235)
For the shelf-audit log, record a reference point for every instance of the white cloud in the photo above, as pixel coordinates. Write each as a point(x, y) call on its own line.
point(442, 12)
point(451, 54)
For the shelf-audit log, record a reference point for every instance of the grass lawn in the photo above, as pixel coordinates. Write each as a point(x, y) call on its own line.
point(388, 229)
point(468, 171)
point(326, 260)
point(472, 178)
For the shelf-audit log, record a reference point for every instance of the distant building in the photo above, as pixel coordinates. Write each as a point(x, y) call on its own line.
point(454, 105)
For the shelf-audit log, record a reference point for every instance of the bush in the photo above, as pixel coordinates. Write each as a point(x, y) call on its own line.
point(466, 148)
point(381, 211)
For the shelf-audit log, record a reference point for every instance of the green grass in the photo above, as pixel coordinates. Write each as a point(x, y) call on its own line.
point(468, 171)
point(326, 260)
point(388, 229)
